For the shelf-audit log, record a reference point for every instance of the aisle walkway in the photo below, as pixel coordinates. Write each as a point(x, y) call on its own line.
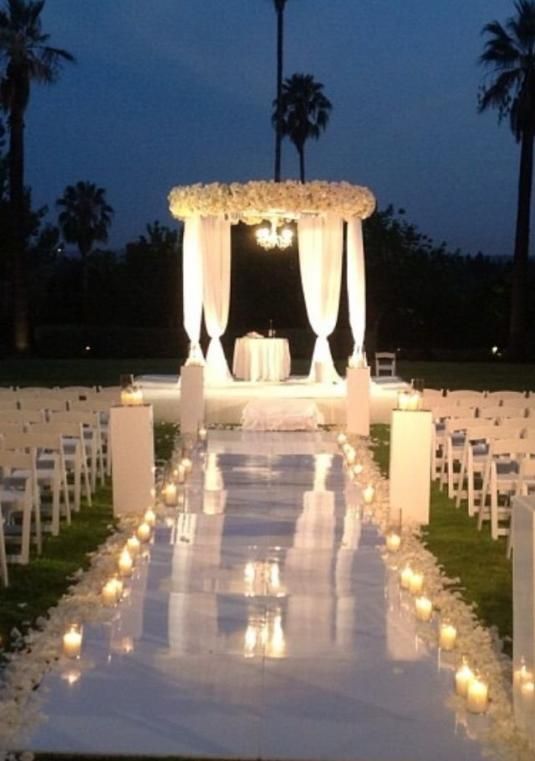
point(264, 626)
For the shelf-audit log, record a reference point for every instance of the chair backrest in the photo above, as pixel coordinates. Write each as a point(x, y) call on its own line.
point(12, 425)
point(510, 428)
point(85, 417)
point(42, 403)
point(463, 396)
point(518, 403)
point(79, 392)
point(433, 394)
point(502, 395)
point(11, 459)
point(32, 391)
point(491, 411)
point(481, 432)
point(511, 446)
point(444, 412)
point(385, 363)
point(458, 423)
point(21, 416)
point(109, 392)
point(94, 404)
point(8, 402)
point(59, 429)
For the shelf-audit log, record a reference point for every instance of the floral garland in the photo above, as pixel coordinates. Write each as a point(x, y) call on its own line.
point(251, 202)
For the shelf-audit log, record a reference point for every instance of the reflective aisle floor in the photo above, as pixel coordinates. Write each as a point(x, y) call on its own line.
point(263, 626)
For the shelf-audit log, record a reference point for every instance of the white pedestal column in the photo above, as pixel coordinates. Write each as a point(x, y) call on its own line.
point(410, 465)
point(358, 401)
point(132, 447)
point(191, 398)
point(524, 609)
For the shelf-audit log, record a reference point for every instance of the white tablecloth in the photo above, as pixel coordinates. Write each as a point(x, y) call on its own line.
point(261, 359)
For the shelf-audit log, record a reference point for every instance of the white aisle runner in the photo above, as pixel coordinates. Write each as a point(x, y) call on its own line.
point(264, 626)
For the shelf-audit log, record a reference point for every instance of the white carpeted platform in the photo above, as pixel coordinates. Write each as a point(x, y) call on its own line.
point(225, 403)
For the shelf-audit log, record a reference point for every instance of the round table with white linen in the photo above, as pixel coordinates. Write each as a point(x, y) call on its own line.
point(261, 359)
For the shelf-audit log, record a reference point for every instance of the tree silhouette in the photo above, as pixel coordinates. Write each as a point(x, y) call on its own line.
point(27, 58)
point(510, 54)
point(279, 9)
point(84, 219)
point(305, 112)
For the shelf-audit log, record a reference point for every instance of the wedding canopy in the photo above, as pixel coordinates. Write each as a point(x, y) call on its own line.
point(320, 210)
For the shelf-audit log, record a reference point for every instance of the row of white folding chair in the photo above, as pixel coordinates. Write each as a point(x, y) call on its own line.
point(458, 439)
point(48, 470)
point(20, 501)
point(100, 408)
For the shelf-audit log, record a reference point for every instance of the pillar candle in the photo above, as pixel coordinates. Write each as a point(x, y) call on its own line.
point(72, 642)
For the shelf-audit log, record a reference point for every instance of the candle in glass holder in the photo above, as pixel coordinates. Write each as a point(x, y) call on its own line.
point(131, 397)
point(125, 563)
point(416, 583)
point(179, 474)
point(423, 608)
point(169, 493)
point(341, 439)
point(405, 577)
point(447, 636)
point(109, 593)
point(477, 695)
point(368, 494)
point(357, 469)
point(150, 516)
point(351, 456)
point(463, 677)
point(144, 532)
point(133, 545)
point(72, 642)
point(393, 542)
point(203, 433)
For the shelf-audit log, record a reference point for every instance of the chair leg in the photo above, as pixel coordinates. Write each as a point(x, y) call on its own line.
point(493, 508)
point(26, 531)
point(3, 554)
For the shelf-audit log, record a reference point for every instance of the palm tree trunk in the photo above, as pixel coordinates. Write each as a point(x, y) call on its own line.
point(279, 6)
point(21, 325)
point(518, 316)
point(302, 163)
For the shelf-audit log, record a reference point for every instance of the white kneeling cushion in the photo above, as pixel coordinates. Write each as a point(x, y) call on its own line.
point(281, 415)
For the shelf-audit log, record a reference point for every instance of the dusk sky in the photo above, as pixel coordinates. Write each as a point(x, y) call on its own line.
point(172, 92)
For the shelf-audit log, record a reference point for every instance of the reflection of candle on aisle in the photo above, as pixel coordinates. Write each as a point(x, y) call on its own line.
point(72, 642)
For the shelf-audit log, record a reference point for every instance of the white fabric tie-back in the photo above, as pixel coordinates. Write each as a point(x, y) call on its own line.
point(216, 284)
point(192, 286)
point(356, 289)
point(320, 263)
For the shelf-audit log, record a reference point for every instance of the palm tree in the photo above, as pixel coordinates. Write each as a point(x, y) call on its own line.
point(510, 53)
point(279, 9)
point(305, 112)
point(84, 219)
point(27, 58)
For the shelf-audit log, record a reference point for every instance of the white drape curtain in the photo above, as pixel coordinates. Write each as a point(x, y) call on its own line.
point(320, 262)
point(356, 289)
point(192, 286)
point(215, 247)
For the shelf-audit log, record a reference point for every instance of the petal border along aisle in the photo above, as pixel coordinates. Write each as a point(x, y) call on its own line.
point(40, 650)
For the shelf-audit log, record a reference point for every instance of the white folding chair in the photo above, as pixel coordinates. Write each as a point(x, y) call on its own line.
point(21, 416)
point(502, 478)
point(441, 413)
point(473, 463)
point(92, 439)
point(433, 397)
point(70, 438)
point(19, 496)
point(385, 364)
point(455, 442)
point(100, 406)
point(44, 404)
point(49, 470)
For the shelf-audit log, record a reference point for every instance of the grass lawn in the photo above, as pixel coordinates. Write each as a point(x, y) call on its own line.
point(36, 587)
point(106, 372)
point(464, 552)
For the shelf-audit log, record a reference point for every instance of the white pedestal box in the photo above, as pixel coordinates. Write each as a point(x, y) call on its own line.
point(523, 528)
point(191, 398)
point(358, 401)
point(410, 465)
point(132, 449)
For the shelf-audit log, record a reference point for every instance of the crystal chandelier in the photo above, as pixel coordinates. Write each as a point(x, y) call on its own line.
point(273, 236)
